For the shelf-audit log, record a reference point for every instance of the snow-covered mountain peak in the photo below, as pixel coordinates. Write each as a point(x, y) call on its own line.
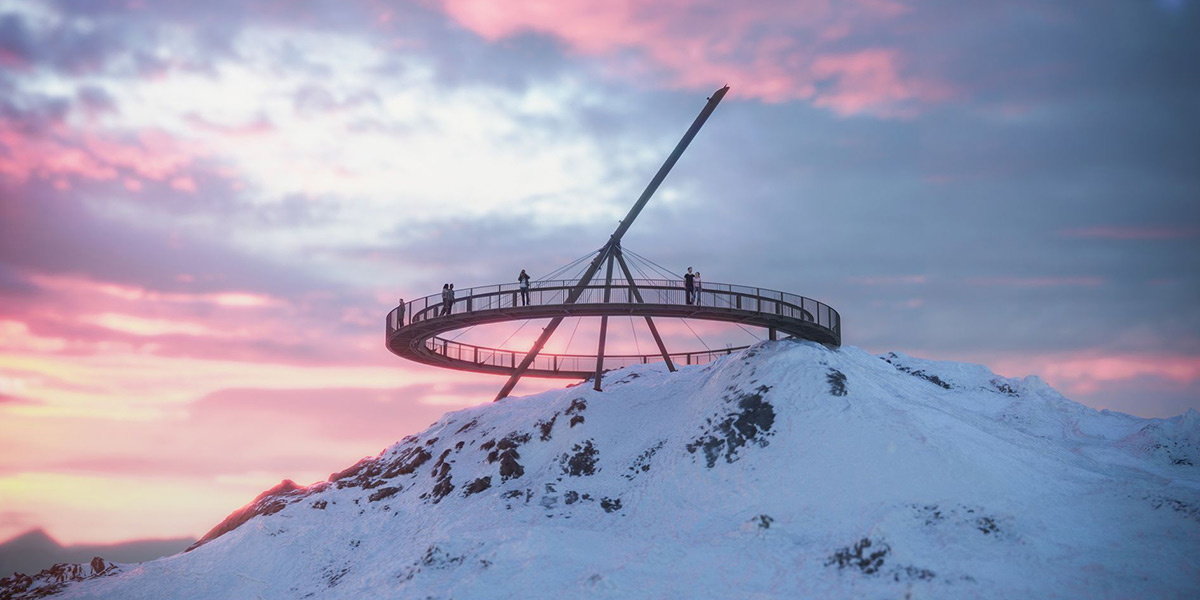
point(786, 470)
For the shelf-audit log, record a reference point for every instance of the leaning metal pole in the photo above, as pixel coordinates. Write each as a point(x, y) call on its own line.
point(614, 240)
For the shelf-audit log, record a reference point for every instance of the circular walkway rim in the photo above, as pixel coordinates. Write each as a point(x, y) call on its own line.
point(416, 332)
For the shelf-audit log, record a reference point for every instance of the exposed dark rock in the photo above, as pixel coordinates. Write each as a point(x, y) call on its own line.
point(53, 580)
point(837, 382)
point(267, 503)
point(488, 445)
point(1004, 388)
point(751, 423)
point(576, 409)
point(442, 487)
point(477, 486)
point(320, 504)
point(407, 462)
point(891, 358)
point(356, 474)
point(380, 494)
point(582, 462)
point(547, 427)
point(911, 572)
point(570, 497)
point(434, 558)
point(864, 555)
point(986, 525)
point(1183, 508)
point(441, 473)
point(441, 462)
point(641, 464)
point(764, 521)
point(370, 473)
point(610, 504)
point(333, 576)
point(506, 452)
point(867, 556)
point(469, 426)
point(959, 516)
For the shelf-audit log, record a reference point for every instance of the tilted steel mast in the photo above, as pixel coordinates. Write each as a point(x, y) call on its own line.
point(610, 253)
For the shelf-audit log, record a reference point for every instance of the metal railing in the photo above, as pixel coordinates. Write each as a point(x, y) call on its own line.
point(653, 291)
point(507, 359)
point(497, 299)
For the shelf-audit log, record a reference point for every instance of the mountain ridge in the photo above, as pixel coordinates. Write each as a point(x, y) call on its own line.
point(786, 469)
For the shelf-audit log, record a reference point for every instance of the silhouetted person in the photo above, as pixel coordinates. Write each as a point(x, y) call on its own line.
point(699, 288)
point(445, 299)
point(689, 286)
point(400, 313)
point(523, 279)
point(450, 303)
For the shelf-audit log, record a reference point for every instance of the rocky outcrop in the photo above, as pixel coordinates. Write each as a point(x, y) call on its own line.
point(54, 579)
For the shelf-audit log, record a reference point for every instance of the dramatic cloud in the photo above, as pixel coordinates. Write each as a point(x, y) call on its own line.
point(775, 51)
point(206, 209)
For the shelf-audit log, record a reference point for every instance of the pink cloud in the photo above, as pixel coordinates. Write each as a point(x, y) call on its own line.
point(206, 460)
point(61, 152)
point(776, 51)
point(184, 184)
point(870, 81)
point(1084, 373)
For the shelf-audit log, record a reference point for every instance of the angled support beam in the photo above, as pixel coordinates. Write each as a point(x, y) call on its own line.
point(637, 295)
point(540, 343)
point(713, 101)
point(528, 360)
point(604, 324)
point(614, 241)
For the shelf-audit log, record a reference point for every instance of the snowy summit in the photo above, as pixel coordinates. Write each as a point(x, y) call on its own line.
point(787, 470)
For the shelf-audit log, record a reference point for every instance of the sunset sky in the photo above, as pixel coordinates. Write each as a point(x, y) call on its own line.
point(207, 208)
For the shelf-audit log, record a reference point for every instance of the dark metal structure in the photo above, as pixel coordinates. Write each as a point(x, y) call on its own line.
point(413, 330)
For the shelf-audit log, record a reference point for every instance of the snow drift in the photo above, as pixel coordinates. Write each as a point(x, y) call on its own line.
point(786, 470)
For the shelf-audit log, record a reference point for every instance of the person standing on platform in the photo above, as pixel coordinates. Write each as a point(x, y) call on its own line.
point(450, 303)
point(689, 286)
point(445, 299)
point(699, 288)
point(400, 314)
point(523, 279)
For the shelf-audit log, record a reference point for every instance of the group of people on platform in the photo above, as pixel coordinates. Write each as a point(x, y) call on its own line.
point(692, 287)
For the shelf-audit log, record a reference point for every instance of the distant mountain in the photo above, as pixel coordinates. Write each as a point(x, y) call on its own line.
point(34, 551)
point(788, 470)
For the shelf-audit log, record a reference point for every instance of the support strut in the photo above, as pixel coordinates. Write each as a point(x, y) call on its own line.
point(614, 241)
point(637, 294)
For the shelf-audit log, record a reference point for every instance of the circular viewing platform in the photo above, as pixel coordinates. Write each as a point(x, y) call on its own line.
point(414, 332)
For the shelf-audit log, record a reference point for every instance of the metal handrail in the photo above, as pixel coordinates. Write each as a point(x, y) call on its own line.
point(505, 298)
point(654, 291)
